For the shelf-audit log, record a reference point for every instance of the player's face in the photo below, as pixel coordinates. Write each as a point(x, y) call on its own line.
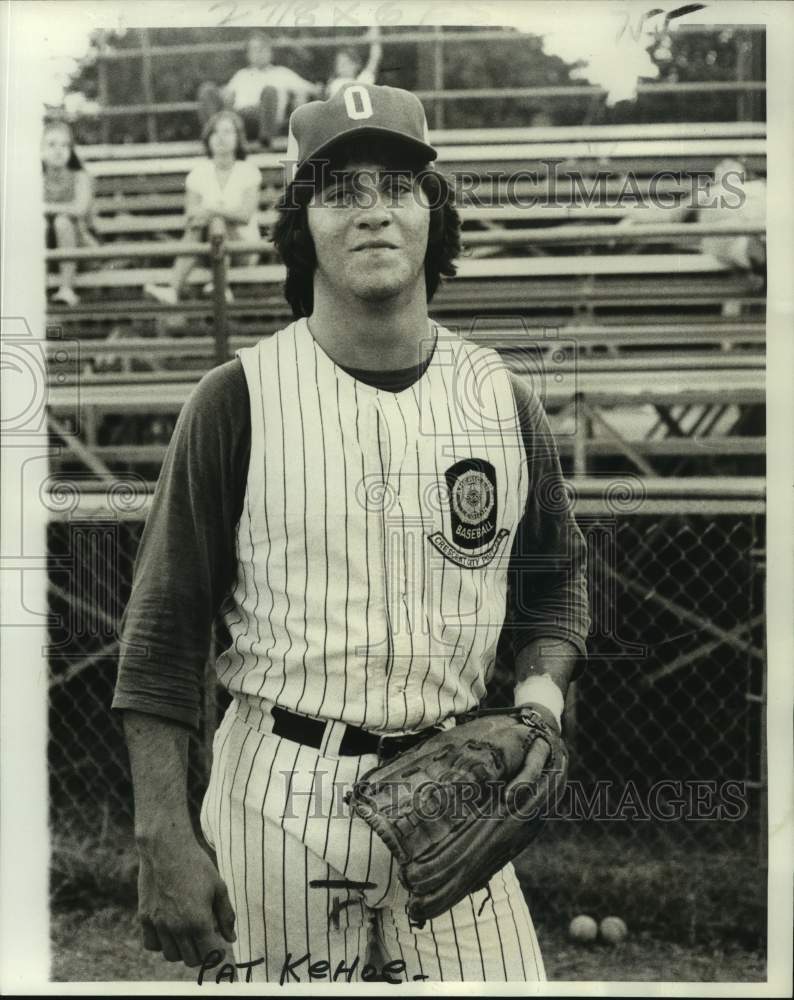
point(56, 148)
point(223, 139)
point(259, 53)
point(370, 230)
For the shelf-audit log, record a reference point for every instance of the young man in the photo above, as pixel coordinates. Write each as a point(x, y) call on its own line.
point(353, 493)
point(261, 93)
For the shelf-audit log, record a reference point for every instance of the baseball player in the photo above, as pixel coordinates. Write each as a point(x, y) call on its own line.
point(365, 498)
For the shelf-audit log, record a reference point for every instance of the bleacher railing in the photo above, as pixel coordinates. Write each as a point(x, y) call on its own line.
point(431, 42)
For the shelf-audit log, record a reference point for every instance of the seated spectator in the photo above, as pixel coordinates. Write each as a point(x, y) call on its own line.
point(222, 192)
point(348, 68)
point(262, 93)
point(734, 198)
point(68, 202)
point(730, 198)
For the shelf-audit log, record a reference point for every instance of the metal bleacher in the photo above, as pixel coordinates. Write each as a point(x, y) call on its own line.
point(625, 327)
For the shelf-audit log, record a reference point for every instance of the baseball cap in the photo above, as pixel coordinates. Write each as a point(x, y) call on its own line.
point(354, 110)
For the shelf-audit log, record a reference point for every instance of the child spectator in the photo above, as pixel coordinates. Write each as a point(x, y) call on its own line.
point(348, 67)
point(68, 202)
point(223, 190)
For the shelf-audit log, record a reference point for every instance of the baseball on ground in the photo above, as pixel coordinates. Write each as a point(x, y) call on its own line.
point(613, 930)
point(583, 929)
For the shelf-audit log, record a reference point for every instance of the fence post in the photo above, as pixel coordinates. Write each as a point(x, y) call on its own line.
point(429, 55)
point(146, 80)
point(104, 95)
point(438, 75)
point(217, 235)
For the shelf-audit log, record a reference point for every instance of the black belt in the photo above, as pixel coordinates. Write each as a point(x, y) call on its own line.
point(355, 741)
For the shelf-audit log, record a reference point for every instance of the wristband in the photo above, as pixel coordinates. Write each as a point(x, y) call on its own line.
point(540, 689)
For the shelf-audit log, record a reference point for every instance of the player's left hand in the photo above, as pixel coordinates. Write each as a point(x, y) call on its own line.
point(444, 853)
point(527, 779)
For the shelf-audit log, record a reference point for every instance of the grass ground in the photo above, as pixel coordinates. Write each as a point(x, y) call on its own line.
point(688, 920)
point(104, 946)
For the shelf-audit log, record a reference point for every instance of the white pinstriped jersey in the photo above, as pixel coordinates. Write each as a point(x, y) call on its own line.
point(375, 535)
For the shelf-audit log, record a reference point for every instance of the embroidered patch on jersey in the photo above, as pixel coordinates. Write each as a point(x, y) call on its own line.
point(471, 487)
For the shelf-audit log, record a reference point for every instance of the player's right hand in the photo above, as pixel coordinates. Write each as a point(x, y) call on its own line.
point(183, 904)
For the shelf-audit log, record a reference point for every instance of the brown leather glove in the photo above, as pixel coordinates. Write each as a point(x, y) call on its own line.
point(450, 809)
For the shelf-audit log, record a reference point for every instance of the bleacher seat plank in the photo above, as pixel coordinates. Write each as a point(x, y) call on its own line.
point(508, 333)
point(646, 366)
point(450, 305)
point(672, 388)
point(528, 267)
point(561, 133)
point(133, 194)
point(582, 264)
point(642, 151)
point(497, 236)
point(698, 447)
point(126, 223)
point(119, 201)
point(183, 363)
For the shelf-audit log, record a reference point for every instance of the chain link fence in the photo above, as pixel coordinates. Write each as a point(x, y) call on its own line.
point(665, 724)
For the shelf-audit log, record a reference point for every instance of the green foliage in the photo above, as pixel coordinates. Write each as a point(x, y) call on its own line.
point(519, 62)
point(514, 62)
point(683, 57)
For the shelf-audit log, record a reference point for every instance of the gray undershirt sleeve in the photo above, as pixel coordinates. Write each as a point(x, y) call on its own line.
point(186, 563)
point(547, 575)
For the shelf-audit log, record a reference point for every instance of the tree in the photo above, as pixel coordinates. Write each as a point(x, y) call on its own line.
point(518, 61)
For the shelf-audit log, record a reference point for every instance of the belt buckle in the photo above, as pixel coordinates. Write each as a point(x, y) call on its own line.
point(396, 742)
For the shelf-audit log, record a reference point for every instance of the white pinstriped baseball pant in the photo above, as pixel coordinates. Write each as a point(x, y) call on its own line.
point(288, 848)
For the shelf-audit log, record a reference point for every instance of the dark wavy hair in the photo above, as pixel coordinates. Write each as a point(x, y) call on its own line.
point(239, 128)
point(293, 241)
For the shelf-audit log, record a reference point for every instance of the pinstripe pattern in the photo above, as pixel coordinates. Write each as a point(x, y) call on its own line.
point(342, 609)
point(269, 863)
point(487, 937)
point(345, 485)
point(271, 847)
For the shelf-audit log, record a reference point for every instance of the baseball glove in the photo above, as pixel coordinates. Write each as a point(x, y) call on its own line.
point(450, 809)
